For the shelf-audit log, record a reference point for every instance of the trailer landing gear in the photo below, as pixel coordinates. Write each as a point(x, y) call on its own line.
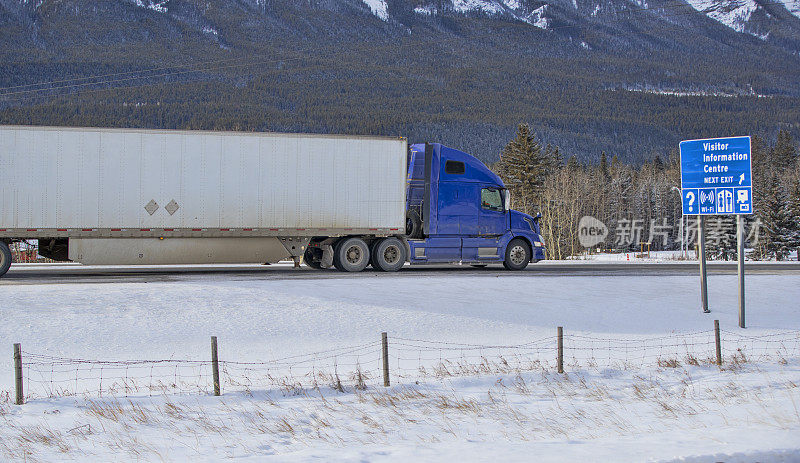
point(313, 257)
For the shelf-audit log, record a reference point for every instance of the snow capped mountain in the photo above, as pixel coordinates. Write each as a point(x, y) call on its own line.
point(734, 14)
point(738, 15)
point(378, 8)
point(774, 21)
point(537, 18)
point(793, 6)
point(753, 17)
point(159, 6)
point(489, 7)
point(510, 9)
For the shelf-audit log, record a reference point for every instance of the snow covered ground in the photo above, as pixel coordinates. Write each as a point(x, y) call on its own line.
point(658, 256)
point(471, 359)
point(653, 256)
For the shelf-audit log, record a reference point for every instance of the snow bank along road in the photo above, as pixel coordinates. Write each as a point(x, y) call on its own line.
point(638, 384)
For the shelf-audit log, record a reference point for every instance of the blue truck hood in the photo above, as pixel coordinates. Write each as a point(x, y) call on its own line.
point(520, 220)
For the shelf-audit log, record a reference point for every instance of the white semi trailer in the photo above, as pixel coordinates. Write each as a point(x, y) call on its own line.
point(136, 196)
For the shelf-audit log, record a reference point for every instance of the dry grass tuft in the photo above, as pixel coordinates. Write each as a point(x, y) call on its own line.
point(109, 410)
point(668, 363)
point(359, 378)
point(43, 435)
point(283, 426)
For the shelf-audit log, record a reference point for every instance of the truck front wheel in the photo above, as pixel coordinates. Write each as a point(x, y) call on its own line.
point(5, 258)
point(518, 254)
point(351, 255)
point(388, 255)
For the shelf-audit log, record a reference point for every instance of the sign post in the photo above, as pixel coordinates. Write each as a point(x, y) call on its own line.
point(740, 266)
point(716, 179)
point(701, 249)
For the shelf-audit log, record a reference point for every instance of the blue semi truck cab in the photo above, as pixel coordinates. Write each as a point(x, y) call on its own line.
point(458, 210)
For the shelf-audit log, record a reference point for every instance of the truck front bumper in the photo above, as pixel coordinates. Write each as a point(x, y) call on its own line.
point(538, 252)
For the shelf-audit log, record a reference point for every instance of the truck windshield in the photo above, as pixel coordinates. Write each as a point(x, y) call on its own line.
point(491, 199)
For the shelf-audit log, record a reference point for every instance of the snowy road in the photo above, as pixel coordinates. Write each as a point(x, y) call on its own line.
point(75, 273)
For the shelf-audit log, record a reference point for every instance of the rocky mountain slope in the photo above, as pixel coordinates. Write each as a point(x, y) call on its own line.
point(629, 77)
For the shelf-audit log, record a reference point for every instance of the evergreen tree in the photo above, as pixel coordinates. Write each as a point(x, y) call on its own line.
point(553, 156)
point(721, 237)
point(658, 164)
point(794, 213)
point(604, 167)
point(778, 223)
point(762, 168)
point(784, 154)
point(556, 160)
point(620, 195)
point(573, 164)
point(523, 167)
point(759, 155)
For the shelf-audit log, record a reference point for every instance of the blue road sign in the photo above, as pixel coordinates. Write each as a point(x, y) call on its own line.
point(716, 176)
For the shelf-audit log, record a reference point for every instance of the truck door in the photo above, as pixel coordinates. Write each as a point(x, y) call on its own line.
point(492, 225)
point(492, 218)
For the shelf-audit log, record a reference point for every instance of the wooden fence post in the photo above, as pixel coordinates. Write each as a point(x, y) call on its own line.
point(718, 343)
point(385, 355)
point(560, 349)
point(18, 374)
point(215, 365)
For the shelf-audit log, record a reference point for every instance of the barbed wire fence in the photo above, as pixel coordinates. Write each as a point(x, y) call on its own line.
point(365, 366)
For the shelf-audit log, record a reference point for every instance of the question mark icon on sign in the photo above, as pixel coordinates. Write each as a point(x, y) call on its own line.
point(690, 197)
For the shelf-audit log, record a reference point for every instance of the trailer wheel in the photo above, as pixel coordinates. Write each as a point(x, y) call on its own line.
point(388, 255)
point(351, 255)
point(413, 224)
point(313, 258)
point(518, 254)
point(5, 258)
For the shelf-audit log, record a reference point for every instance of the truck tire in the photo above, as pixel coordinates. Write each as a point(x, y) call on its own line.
point(372, 249)
point(351, 255)
point(313, 258)
point(388, 255)
point(5, 258)
point(413, 224)
point(518, 254)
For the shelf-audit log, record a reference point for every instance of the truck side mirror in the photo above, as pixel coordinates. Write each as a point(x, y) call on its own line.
point(508, 200)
